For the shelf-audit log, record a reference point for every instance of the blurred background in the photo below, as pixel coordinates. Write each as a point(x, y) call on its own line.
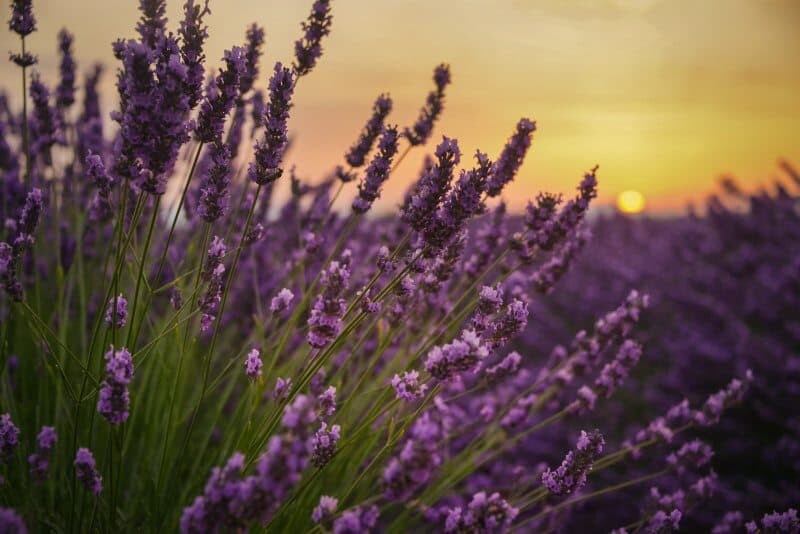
point(666, 96)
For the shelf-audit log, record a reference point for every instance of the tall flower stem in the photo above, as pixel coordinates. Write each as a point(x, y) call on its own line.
point(25, 131)
point(132, 342)
point(215, 335)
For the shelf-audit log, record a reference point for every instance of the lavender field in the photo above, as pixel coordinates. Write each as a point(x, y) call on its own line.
point(194, 336)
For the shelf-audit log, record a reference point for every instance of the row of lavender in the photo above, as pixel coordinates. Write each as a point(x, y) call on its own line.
point(725, 291)
point(181, 348)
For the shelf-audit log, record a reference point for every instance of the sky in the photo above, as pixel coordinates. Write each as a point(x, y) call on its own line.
point(665, 96)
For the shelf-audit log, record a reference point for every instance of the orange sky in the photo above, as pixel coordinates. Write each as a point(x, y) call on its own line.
point(665, 95)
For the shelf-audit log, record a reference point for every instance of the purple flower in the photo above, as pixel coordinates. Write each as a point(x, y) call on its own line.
point(86, 471)
point(357, 154)
point(550, 272)
point(612, 375)
point(308, 49)
point(358, 520)
point(464, 354)
point(10, 521)
point(408, 387)
point(193, 35)
point(510, 160)
point(213, 273)
point(419, 456)
point(487, 514)
point(214, 188)
point(252, 53)
point(507, 367)
point(266, 168)
point(40, 460)
point(90, 122)
point(780, 522)
point(283, 387)
point(420, 209)
point(281, 301)
point(540, 220)
point(377, 171)
point(326, 402)
point(117, 311)
point(421, 131)
point(65, 92)
point(570, 476)
point(323, 444)
point(662, 522)
point(22, 21)
point(113, 401)
point(731, 522)
point(324, 511)
point(154, 107)
point(717, 403)
point(325, 321)
point(463, 202)
point(153, 21)
point(253, 364)
point(45, 123)
point(221, 94)
point(690, 457)
point(9, 437)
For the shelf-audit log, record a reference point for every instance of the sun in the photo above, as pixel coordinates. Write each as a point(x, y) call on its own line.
point(630, 202)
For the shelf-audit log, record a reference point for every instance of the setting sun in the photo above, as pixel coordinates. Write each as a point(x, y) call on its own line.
point(630, 202)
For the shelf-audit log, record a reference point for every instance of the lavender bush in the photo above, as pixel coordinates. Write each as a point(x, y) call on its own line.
point(179, 349)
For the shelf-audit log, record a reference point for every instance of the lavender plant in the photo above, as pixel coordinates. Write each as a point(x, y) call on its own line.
point(182, 349)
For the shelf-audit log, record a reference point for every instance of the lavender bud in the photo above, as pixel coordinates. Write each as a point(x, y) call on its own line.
point(22, 21)
point(377, 171)
point(86, 471)
point(570, 476)
point(113, 401)
point(324, 511)
point(269, 151)
point(9, 437)
point(117, 312)
point(308, 49)
point(421, 131)
point(253, 364)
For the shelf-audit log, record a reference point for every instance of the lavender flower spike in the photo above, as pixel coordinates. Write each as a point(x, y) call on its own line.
point(193, 35)
point(11, 522)
point(40, 460)
point(117, 311)
point(269, 151)
point(22, 21)
point(253, 364)
point(252, 53)
point(214, 187)
point(490, 514)
point(153, 21)
point(421, 131)
point(323, 444)
point(220, 97)
point(377, 172)
point(281, 301)
point(325, 321)
point(9, 437)
point(65, 92)
point(356, 521)
point(113, 402)
point(571, 475)
point(308, 49)
point(357, 154)
point(86, 471)
point(510, 160)
point(324, 511)
point(407, 386)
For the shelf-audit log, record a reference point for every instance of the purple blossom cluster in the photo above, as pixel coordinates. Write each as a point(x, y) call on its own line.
point(303, 368)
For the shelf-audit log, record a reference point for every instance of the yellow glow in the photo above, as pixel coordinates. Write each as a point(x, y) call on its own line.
point(630, 202)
